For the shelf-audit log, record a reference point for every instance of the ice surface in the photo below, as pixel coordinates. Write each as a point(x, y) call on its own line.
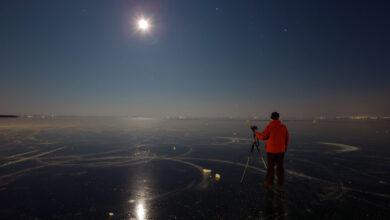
point(89, 168)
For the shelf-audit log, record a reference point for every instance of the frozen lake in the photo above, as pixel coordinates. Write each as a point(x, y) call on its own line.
point(124, 168)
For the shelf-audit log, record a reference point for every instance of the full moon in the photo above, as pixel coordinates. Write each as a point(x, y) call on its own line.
point(143, 24)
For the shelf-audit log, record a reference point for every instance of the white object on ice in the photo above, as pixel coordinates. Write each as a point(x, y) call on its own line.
point(217, 176)
point(206, 171)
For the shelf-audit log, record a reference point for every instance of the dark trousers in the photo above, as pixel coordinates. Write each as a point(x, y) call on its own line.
point(275, 159)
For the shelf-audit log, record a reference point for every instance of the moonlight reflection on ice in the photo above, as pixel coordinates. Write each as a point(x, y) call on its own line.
point(140, 210)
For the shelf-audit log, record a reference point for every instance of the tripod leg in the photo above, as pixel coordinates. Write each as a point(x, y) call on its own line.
point(261, 155)
point(247, 162)
point(265, 165)
point(246, 166)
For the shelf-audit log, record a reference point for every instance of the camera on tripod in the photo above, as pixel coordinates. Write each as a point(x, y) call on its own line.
point(255, 144)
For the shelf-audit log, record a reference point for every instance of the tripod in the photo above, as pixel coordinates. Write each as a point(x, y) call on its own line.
point(254, 144)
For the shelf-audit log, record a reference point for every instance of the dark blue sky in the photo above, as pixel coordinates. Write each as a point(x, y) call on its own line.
point(201, 58)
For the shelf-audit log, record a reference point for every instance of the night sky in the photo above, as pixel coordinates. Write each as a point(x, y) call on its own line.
point(199, 58)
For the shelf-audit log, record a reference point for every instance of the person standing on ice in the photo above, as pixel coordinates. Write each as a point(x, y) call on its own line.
point(276, 139)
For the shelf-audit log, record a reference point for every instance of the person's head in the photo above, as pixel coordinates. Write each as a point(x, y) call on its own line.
point(275, 116)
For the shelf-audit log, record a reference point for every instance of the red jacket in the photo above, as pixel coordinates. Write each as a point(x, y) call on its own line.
point(276, 137)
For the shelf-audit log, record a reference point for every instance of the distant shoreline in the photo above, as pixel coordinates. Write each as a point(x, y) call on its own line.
point(9, 116)
point(180, 118)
